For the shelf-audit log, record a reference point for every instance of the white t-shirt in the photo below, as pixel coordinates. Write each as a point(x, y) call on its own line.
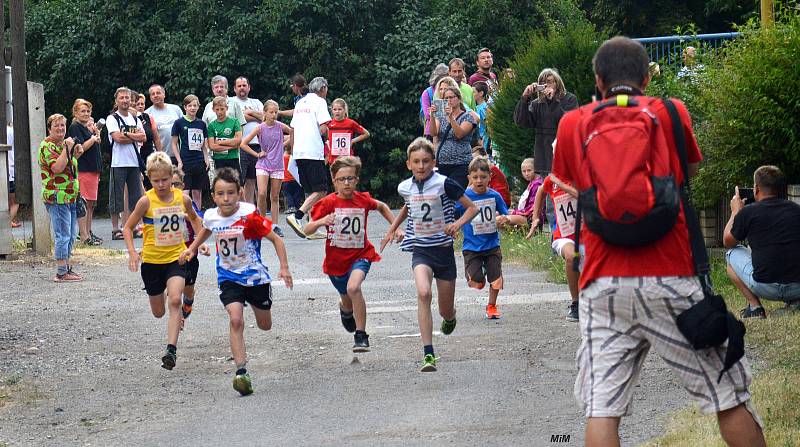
point(164, 119)
point(234, 111)
point(309, 113)
point(10, 142)
point(249, 104)
point(124, 155)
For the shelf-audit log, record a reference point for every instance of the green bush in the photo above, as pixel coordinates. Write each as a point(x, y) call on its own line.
point(750, 107)
point(567, 46)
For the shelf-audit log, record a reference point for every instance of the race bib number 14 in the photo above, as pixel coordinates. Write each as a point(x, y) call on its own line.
point(566, 210)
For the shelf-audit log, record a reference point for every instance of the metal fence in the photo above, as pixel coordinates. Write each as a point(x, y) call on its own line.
point(668, 49)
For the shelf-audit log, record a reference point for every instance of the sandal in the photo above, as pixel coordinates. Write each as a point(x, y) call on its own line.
point(116, 235)
point(15, 224)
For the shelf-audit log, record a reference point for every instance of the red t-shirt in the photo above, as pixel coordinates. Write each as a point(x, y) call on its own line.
point(347, 238)
point(499, 183)
point(566, 208)
point(287, 176)
point(670, 256)
point(340, 137)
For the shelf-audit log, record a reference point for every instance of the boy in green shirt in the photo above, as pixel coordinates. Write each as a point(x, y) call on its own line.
point(224, 136)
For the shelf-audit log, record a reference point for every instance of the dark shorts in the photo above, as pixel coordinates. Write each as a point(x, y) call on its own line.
point(232, 163)
point(11, 187)
point(313, 175)
point(259, 296)
point(191, 271)
point(248, 163)
point(155, 276)
point(340, 282)
point(482, 265)
point(440, 259)
point(458, 173)
point(195, 177)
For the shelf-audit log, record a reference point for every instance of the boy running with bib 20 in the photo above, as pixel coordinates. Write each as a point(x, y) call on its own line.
point(241, 274)
point(429, 210)
point(163, 209)
point(348, 253)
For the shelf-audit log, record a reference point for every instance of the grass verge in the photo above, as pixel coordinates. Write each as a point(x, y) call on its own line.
point(773, 342)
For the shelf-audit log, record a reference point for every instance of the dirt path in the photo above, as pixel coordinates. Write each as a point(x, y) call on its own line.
point(87, 360)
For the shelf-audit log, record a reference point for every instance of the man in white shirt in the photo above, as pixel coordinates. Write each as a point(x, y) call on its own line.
point(125, 132)
point(310, 123)
point(253, 111)
point(164, 115)
point(219, 86)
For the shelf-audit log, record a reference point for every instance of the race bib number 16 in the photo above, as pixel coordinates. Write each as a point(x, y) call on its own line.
point(341, 143)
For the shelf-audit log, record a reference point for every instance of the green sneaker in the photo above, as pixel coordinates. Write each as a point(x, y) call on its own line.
point(428, 363)
point(242, 384)
point(448, 326)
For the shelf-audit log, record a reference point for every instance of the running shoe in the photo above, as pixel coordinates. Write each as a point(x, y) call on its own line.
point(321, 233)
point(448, 326)
point(186, 307)
point(428, 363)
point(361, 342)
point(243, 384)
point(749, 312)
point(295, 225)
point(168, 361)
point(491, 312)
point(348, 321)
point(572, 314)
point(70, 276)
point(277, 230)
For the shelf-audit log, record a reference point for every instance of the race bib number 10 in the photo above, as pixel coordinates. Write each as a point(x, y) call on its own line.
point(348, 228)
point(484, 221)
point(427, 214)
point(566, 210)
point(341, 142)
point(231, 249)
point(168, 224)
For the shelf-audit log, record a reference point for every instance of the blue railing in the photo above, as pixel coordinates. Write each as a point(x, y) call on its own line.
point(668, 49)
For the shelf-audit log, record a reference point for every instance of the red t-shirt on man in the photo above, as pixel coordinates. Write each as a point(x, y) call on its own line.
point(347, 238)
point(340, 138)
point(672, 254)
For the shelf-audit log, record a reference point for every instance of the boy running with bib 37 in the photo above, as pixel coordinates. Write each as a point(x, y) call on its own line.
point(429, 209)
point(163, 209)
point(241, 274)
point(348, 253)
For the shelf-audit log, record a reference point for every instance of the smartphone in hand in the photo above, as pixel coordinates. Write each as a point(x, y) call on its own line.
point(747, 195)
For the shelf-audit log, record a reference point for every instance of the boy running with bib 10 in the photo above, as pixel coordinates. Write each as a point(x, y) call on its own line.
point(429, 210)
point(163, 209)
point(241, 274)
point(482, 256)
point(348, 253)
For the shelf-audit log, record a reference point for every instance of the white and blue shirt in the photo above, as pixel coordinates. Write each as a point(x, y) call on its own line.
point(481, 233)
point(431, 206)
point(238, 259)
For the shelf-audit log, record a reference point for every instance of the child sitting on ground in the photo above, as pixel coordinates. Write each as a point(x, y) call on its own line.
point(523, 214)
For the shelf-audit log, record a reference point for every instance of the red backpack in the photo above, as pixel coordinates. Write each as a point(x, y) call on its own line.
point(633, 199)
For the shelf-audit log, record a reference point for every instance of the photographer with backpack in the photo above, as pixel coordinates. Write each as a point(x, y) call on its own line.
point(627, 156)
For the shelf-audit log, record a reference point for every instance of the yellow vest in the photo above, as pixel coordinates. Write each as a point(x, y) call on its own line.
point(163, 228)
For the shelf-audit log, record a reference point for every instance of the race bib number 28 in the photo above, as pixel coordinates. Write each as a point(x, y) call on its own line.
point(427, 214)
point(168, 224)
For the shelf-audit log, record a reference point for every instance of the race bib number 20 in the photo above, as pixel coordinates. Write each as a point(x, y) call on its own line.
point(348, 228)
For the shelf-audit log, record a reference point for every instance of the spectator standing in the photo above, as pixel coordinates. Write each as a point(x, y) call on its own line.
point(310, 124)
point(426, 98)
point(224, 136)
point(630, 297)
point(454, 134)
point(770, 268)
point(164, 116)
point(484, 62)
point(457, 71)
point(299, 88)
point(89, 165)
point(253, 111)
point(153, 141)
point(219, 87)
point(190, 145)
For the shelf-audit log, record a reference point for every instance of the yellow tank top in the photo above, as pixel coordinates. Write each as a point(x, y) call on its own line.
point(163, 228)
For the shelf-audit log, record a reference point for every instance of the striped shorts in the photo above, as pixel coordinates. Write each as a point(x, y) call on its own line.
point(620, 319)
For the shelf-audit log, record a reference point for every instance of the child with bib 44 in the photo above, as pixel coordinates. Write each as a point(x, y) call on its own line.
point(429, 213)
point(348, 253)
point(241, 274)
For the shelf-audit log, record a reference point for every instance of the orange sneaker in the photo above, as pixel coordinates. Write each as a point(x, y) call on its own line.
point(491, 312)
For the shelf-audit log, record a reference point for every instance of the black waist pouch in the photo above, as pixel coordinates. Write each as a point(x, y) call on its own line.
point(708, 324)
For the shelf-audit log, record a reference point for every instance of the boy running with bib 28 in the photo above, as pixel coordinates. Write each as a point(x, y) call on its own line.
point(429, 210)
point(163, 209)
point(241, 274)
point(348, 253)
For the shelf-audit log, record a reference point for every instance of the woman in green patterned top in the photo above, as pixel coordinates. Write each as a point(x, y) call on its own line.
point(58, 161)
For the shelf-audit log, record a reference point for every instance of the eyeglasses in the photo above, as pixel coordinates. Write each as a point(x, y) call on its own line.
point(346, 179)
point(450, 97)
point(177, 183)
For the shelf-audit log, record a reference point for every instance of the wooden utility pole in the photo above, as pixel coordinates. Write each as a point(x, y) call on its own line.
point(19, 95)
point(767, 13)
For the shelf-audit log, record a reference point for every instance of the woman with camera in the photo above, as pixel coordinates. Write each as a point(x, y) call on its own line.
point(454, 136)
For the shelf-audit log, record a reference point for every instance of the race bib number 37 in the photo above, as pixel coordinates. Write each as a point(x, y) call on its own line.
point(484, 221)
point(348, 228)
point(168, 226)
point(566, 210)
point(231, 249)
point(427, 214)
point(341, 142)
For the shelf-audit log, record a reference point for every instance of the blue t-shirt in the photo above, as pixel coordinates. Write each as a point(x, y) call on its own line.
point(191, 136)
point(481, 111)
point(481, 233)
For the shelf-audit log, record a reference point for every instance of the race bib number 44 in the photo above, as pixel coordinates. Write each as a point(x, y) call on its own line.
point(195, 139)
point(484, 222)
point(168, 224)
point(566, 210)
point(231, 249)
point(427, 214)
point(341, 142)
point(348, 228)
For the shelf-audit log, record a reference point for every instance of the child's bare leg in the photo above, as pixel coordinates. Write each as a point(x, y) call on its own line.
point(568, 252)
point(236, 317)
point(356, 298)
point(493, 295)
point(175, 287)
point(446, 290)
point(188, 292)
point(197, 196)
point(157, 305)
point(516, 220)
point(275, 198)
point(263, 184)
point(423, 276)
point(263, 318)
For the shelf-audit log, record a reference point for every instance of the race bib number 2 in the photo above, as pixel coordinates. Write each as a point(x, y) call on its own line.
point(348, 228)
point(341, 142)
point(168, 224)
point(428, 215)
point(566, 210)
point(231, 249)
point(484, 222)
